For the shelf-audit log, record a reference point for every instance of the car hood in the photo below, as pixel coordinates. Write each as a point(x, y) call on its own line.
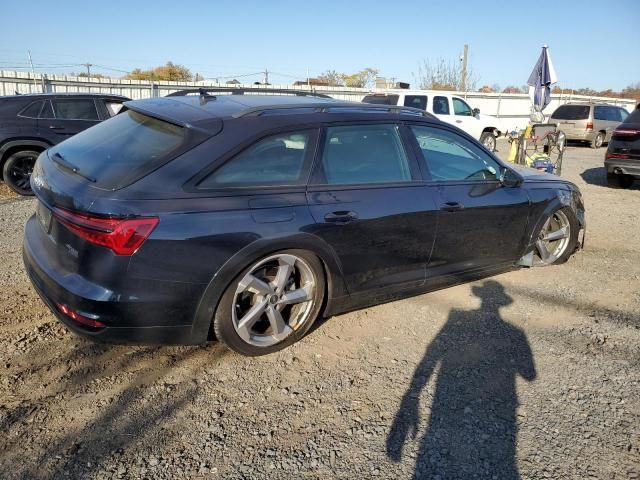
point(533, 175)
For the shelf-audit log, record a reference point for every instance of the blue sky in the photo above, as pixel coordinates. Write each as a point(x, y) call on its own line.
point(593, 44)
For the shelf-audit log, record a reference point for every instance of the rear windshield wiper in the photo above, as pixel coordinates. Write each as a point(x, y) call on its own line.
point(59, 159)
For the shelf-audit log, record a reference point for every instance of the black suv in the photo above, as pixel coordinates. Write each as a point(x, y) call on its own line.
point(246, 217)
point(30, 124)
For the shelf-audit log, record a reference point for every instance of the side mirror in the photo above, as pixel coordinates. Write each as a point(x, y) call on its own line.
point(508, 178)
point(476, 112)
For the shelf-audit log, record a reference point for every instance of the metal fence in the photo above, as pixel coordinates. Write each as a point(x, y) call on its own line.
point(512, 109)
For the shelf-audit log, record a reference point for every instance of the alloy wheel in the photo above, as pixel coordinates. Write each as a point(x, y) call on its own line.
point(273, 300)
point(20, 172)
point(554, 238)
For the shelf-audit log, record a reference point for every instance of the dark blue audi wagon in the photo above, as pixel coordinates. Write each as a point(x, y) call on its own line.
point(245, 217)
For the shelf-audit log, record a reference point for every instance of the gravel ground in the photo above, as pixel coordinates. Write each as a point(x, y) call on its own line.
point(530, 374)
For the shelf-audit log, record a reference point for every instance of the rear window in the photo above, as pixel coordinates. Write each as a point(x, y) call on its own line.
point(572, 112)
point(633, 117)
point(122, 149)
point(381, 99)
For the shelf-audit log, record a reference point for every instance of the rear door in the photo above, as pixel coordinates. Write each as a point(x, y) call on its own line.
point(370, 206)
point(71, 116)
point(441, 108)
point(572, 119)
point(481, 224)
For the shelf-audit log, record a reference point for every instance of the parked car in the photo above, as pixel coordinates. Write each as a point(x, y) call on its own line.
point(30, 124)
point(448, 108)
point(248, 217)
point(622, 160)
point(590, 122)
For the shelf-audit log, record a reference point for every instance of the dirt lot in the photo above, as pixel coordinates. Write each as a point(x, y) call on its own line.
point(531, 374)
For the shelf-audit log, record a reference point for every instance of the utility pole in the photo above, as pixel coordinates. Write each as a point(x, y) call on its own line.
point(33, 71)
point(88, 65)
point(463, 73)
point(266, 76)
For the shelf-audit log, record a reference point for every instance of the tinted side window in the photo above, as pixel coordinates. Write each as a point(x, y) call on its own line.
point(600, 113)
point(281, 159)
point(381, 99)
point(572, 112)
point(415, 101)
point(364, 154)
point(76, 109)
point(32, 110)
point(461, 107)
point(440, 105)
point(450, 157)
point(47, 110)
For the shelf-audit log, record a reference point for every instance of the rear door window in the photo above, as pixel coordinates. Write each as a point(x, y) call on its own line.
point(363, 154)
point(623, 114)
point(572, 112)
point(282, 159)
point(76, 109)
point(416, 101)
point(441, 105)
point(122, 149)
point(600, 113)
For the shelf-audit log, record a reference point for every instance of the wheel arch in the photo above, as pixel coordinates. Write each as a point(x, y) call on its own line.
point(335, 285)
point(12, 146)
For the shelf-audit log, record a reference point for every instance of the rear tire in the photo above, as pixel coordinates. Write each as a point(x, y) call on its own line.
point(598, 140)
point(17, 171)
point(488, 139)
point(615, 180)
point(271, 304)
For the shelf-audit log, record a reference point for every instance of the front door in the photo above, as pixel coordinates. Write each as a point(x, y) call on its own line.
point(481, 223)
point(370, 207)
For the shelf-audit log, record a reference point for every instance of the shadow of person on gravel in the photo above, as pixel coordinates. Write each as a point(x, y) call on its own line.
point(472, 429)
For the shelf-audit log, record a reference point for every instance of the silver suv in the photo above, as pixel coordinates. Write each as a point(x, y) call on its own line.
point(590, 122)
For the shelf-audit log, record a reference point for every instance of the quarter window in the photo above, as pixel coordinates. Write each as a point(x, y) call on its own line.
point(449, 157)
point(441, 105)
point(32, 110)
point(113, 108)
point(77, 109)
point(281, 159)
point(364, 154)
point(460, 107)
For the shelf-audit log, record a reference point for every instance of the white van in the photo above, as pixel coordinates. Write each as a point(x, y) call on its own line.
point(448, 108)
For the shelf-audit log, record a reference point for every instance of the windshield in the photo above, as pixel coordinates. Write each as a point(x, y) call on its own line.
point(120, 150)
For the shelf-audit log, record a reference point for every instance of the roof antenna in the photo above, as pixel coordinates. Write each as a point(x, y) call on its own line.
point(204, 96)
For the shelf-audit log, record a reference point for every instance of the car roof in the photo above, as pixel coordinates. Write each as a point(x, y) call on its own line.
point(36, 96)
point(197, 110)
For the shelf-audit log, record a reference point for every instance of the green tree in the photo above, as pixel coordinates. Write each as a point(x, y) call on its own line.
point(363, 78)
point(168, 72)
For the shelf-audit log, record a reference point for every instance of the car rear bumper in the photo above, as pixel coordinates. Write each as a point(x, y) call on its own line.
point(133, 320)
point(620, 166)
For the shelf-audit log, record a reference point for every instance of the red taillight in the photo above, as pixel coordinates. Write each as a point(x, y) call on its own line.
point(78, 317)
point(590, 126)
point(122, 236)
point(616, 155)
point(625, 132)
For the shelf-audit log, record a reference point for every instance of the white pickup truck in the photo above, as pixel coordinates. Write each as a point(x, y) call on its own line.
point(448, 108)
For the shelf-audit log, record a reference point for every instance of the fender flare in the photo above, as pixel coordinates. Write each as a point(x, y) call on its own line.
point(205, 311)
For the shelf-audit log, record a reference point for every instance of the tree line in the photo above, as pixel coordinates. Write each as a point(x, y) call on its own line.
point(432, 75)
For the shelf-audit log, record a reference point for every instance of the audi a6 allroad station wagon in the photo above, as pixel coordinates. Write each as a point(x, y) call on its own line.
point(247, 217)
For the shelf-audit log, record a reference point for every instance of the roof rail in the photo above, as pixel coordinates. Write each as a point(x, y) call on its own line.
point(333, 107)
point(242, 91)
